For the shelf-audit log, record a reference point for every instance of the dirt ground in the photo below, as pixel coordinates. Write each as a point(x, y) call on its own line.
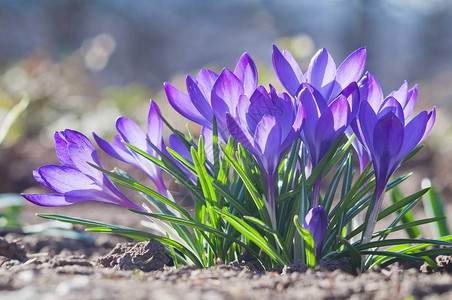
point(39, 267)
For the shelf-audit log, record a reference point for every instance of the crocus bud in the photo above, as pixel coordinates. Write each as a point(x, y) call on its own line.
point(316, 221)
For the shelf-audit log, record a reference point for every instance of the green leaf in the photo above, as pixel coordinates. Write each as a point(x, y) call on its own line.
point(249, 186)
point(386, 212)
point(253, 235)
point(392, 242)
point(406, 225)
point(307, 237)
point(434, 207)
point(270, 230)
point(197, 225)
point(408, 217)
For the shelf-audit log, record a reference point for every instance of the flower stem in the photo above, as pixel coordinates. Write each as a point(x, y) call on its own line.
point(271, 200)
point(316, 192)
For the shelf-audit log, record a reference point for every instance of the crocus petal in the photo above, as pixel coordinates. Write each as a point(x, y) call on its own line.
point(154, 129)
point(182, 104)
point(283, 110)
point(179, 147)
point(242, 110)
point(414, 132)
point(430, 122)
point(260, 104)
point(312, 116)
point(198, 99)
point(296, 128)
point(391, 104)
point(225, 95)
point(367, 121)
point(285, 71)
point(39, 179)
point(370, 91)
point(330, 126)
point(316, 222)
point(63, 179)
point(83, 153)
point(207, 136)
point(206, 79)
point(114, 150)
point(61, 149)
point(131, 133)
point(351, 92)
point(240, 134)
point(322, 72)
point(352, 68)
point(387, 138)
point(268, 140)
point(293, 63)
point(401, 94)
point(247, 73)
point(411, 102)
point(176, 145)
point(49, 199)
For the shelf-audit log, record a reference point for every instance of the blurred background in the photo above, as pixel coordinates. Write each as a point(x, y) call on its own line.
point(84, 63)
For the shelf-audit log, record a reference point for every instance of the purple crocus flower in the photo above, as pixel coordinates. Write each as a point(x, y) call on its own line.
point(371, 92)
point(266, 125)
point(316, 221)
point(325, 122)
point(131, 133)
point(389, 140)
point(211, 94)
point(75, 180)
point(321, 73)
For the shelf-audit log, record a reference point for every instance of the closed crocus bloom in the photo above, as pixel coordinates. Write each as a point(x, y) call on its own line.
point(316, 222)
point(371, 92)
point(321, 74)
point(131, 133)
point(75, 180)
point(389, 140)
point(325, 122)
point(266, 125)
point(211, 94)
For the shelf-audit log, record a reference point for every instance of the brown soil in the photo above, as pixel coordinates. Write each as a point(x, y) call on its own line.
point(37, 267)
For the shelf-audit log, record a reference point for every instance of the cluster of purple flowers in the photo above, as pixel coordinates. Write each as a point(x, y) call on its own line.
point(318, 107)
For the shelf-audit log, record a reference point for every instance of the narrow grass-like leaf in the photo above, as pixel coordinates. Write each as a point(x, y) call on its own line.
point(249, 186)
point(408, 217)
point(386, 212)
point(434, 207)
point(406, 225)
point(270, 230)
point(199, 226)
point(253, 235)
point(309, 242)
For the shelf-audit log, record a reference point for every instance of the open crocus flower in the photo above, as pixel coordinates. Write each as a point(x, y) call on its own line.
point(371, 92)
point(325, 122)
point(131, 133)
point(266, 125)
point(321, 73)
point(75, 180)
point(316, 221)
point(211, 94)
point(389, 140)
